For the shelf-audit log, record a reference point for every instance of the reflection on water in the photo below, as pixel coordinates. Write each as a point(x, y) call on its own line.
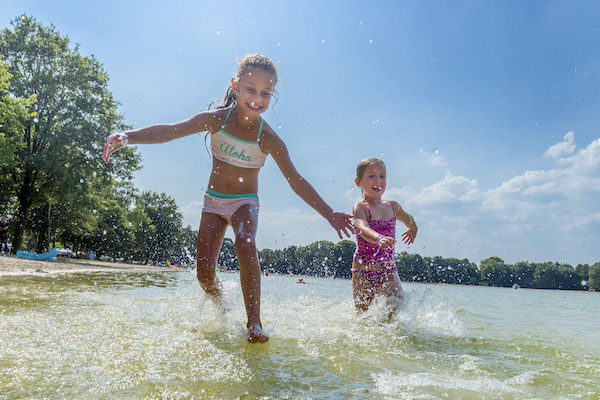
point(154, 335)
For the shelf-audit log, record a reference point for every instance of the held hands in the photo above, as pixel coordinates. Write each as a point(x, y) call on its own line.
point(113, 143)
point(409, 236)
point(341, 222)
point(385, 242)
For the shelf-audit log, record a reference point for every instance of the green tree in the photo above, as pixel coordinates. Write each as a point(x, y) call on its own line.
point(411, 267)
point(13, 111)
point(459, 271)
point(58, 142)
point(343, 253)
point(227, 258)
point(594, 273)
point(522, 274)
point(317, 258)
point(583, 271)
point(162, 210)
point(494, 272)
point(546, 276)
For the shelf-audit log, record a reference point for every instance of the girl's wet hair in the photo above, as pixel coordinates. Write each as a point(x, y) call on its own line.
point(250, 61)
point(362, 166)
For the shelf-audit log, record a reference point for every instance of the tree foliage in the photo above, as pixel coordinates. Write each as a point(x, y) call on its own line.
point(56, 141)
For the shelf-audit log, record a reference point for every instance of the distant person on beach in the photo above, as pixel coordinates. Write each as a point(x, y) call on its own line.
point(374, 270)
point(240, 142)
point(4, 235)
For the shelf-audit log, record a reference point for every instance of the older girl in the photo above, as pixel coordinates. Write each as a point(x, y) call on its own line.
point(240, 142)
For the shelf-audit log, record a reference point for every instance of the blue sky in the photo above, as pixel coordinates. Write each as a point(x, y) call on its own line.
point(486, 113)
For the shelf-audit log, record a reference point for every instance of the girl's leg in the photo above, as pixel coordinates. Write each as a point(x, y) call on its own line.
point(244, 222)
point(391, 289)
point(210, 238)
point(363, 292)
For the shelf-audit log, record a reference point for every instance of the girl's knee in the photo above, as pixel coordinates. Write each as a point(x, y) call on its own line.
point(245, 243)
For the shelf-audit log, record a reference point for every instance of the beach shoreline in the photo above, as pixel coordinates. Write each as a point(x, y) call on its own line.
point(12, 265)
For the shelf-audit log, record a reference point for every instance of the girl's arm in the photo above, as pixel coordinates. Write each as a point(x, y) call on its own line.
point(272, 144)
point(409, 236)
point(204, 121)
point(362, 227)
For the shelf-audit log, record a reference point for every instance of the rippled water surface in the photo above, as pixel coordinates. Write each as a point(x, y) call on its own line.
point(134, 335)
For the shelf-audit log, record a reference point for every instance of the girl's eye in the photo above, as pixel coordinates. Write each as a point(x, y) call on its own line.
point(250, 90)
point(266, 94)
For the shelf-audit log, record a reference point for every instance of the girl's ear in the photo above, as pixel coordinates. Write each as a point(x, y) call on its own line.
point(234, 86)
point(357, 181)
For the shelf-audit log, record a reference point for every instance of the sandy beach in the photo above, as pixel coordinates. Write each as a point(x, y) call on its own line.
point(12, 265)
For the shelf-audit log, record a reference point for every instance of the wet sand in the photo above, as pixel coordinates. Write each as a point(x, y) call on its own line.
point(12, 265)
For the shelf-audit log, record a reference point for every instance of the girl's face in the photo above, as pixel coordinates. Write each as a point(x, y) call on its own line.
point(373, 181)
point(254, 91)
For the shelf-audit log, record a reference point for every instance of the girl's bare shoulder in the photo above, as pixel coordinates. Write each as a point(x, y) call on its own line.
point(211, 120)
point(269, 140)
point(359, 208)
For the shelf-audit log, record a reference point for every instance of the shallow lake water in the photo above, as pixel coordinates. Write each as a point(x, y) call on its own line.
point(154, 335)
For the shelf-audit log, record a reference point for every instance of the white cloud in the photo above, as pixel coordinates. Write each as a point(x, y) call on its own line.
point(563, 148)
point(450, 189)
point(545, 210)
point(434, 158)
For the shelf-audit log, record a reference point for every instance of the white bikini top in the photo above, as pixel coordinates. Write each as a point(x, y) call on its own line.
point(238, 152)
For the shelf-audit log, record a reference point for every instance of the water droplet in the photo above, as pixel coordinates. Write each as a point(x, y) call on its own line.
point(278, 44)
point(35, 120)
point(81, 180)
point(436, 151)
point(279, 126)
point(322, 40)
point(370, 40)
point(94, 211)
point(241, 179)
point(104, 232)
point(248, 240)
point(218, 31)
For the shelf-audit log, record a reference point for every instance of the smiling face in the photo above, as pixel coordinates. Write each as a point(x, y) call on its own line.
point(373, 181)
point(254, 91)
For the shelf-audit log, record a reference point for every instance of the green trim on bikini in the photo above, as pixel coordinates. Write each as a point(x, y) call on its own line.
point(214, 193)
point(237, 138)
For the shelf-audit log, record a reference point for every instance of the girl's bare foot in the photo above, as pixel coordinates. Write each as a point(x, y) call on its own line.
point(256, 334)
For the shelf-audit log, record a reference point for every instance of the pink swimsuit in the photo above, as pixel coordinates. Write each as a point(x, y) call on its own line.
point(371, 254)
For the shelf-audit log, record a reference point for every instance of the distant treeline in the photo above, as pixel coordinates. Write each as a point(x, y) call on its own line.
point(328, 259)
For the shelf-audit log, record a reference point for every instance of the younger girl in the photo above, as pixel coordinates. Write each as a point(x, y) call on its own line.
point(240, 143)
point(373, 268)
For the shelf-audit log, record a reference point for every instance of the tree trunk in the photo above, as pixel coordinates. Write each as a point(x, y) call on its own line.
point(43, 234)
point(25, 200)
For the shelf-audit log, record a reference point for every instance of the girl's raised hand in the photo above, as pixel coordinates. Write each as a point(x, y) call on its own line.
point(408, 237)
point(341, 222)
point(113, 143)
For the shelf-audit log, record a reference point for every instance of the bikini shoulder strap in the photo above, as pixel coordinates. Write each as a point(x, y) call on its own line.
point(364, 203)
point(227, 117)
point(260, 128)
point(391, 203)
